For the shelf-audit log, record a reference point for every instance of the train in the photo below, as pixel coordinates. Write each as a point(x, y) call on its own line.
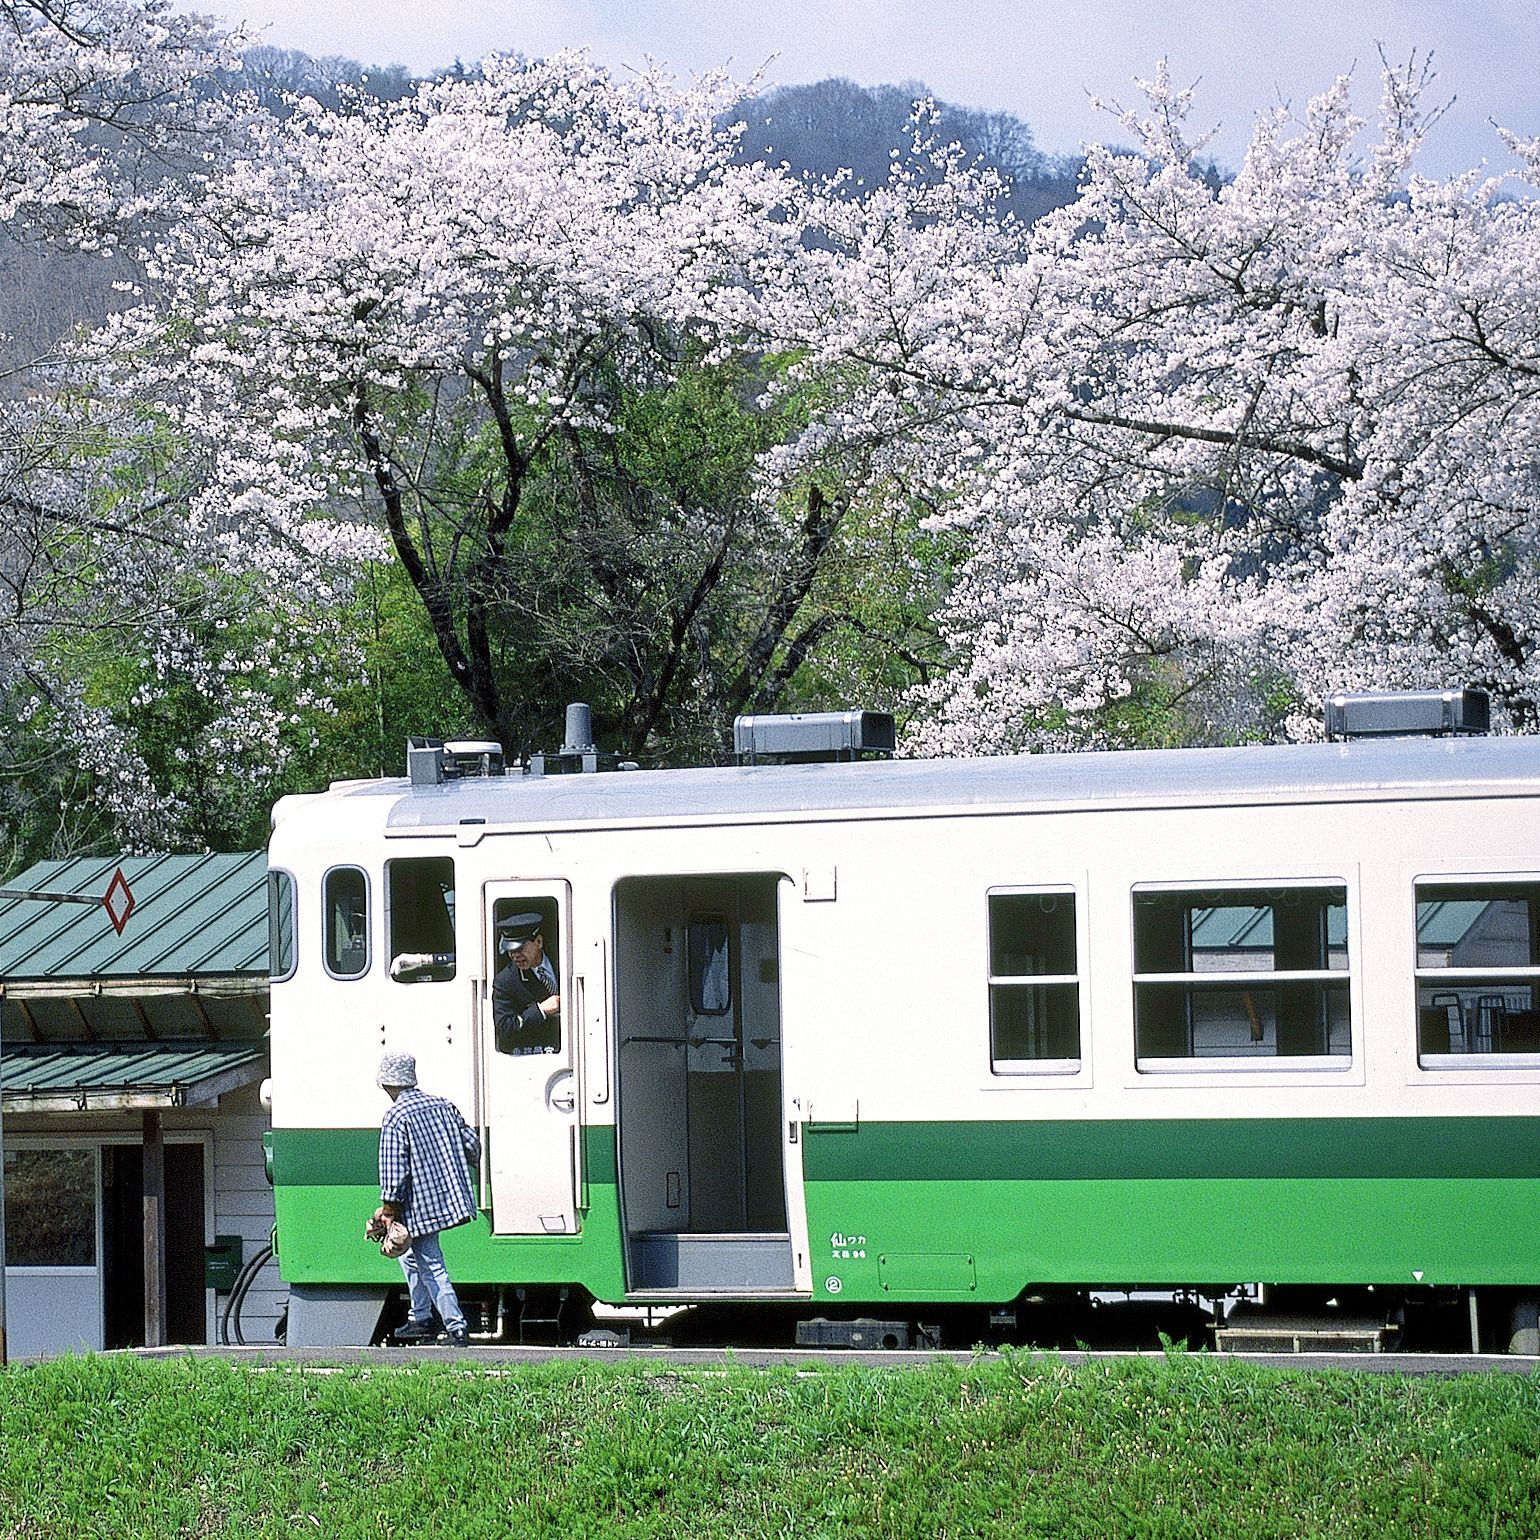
point(897, 1050)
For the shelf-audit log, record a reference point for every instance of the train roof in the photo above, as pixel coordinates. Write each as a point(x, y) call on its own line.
point(1366, 769)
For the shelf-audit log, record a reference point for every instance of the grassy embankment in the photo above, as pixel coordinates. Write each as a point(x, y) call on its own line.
point(1178, 1446)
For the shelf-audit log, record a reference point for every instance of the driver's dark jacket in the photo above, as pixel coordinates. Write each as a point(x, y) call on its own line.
point(518, 1023)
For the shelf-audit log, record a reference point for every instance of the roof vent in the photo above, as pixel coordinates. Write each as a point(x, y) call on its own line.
point(430, 762)
point(811, 736)
point(1407, 713)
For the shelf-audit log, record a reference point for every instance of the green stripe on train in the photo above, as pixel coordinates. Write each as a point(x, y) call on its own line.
point(1174, 1149)
point(321, 1240)
point(986, 1241)
point(1137, 1150)
point(326, 1184)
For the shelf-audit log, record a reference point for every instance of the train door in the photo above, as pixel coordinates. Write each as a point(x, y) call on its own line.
point(700, 1115)
point(528, 1095)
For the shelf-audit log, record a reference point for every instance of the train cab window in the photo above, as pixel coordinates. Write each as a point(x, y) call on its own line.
point(1478, 969)
point(345, 907)
point(1034, 982)
point(1245, 975)
point(282, 937)
point(420, 918)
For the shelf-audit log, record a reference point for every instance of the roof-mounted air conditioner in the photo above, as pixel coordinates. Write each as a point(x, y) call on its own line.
point(809, 736)
point(1407, 713)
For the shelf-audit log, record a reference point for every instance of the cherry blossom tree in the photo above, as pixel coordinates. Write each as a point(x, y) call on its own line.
point(1217, 446)
point(87, 87)
point(627, 415)
point(431, 329)
point(104, 582)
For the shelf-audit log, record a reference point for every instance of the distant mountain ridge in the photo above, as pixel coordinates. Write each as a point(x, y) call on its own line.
point(835, 125)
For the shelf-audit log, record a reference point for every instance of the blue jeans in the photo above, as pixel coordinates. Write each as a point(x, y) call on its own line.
point(428, 1281)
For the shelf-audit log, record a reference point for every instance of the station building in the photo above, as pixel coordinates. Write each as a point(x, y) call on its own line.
point(135, 1192)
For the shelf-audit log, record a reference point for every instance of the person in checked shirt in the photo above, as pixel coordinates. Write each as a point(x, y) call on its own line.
point(425, 1145)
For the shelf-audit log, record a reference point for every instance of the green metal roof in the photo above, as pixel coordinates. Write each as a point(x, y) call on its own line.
point(98, 1077)
point(193, 917)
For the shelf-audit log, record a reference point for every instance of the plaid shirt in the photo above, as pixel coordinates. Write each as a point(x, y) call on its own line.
point(424, 1147)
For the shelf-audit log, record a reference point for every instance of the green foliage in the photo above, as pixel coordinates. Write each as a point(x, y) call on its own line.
point(402, 690)
point(648, 572)
point(1180, 1445)
point(1169, 705)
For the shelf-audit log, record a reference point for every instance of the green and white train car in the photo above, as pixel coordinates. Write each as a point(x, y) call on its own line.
point(882, 1038)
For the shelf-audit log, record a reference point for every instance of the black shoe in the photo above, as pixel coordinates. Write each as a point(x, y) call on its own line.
point(458, 1338)
point(414, 1331)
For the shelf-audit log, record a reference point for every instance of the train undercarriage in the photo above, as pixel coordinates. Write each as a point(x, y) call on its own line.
point(1251, 1318)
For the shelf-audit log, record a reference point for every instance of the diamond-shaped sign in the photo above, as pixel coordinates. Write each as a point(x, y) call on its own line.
point(118, 901)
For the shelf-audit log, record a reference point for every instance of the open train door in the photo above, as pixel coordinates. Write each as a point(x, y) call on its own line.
point(702, 1148)
point(528, 1090)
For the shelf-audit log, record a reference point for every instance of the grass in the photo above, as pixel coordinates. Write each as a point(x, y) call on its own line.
point(1185, 1445)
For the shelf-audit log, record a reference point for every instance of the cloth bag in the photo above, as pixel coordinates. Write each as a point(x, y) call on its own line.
point(390, 1233)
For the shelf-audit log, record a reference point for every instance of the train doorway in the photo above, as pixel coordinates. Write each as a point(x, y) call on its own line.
point(700, 1116)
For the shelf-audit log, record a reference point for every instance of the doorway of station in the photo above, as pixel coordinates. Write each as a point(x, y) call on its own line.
point(123, 1245)
point(700, 1117)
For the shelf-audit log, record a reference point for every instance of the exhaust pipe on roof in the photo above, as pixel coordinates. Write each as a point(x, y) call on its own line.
point(580, 729)
point(578, 754)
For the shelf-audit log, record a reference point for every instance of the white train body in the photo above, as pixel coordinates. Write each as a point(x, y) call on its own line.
point(880, 1036)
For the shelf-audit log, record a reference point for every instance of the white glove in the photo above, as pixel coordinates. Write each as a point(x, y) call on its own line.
point(409, 962)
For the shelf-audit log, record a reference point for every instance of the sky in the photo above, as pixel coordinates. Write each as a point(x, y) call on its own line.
point(1042, 62)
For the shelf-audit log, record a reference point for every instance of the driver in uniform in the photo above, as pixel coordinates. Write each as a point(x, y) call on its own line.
point(526, 1002)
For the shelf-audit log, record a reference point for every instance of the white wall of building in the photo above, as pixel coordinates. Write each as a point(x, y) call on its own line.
point(243, 1205)
point(238, 1200)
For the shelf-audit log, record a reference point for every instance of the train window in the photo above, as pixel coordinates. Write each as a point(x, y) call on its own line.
point(1478, 968)
point(1034, 982)
point(345, 908)
point(711, 990)
point(1248, 974)
point(282, 948)
point(420, 918)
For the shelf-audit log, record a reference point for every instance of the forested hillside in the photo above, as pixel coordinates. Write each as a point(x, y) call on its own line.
point(340, 407)
point(837, 127)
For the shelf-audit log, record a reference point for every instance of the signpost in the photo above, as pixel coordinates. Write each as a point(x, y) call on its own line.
point(118, 901)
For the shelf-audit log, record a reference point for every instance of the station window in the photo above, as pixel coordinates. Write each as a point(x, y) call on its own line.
point(1248, 974)
point(1478, 967)
point(50, 1208)
point(420, 918)
point(345, 906)
point(1034, 981)
point(282, 937)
